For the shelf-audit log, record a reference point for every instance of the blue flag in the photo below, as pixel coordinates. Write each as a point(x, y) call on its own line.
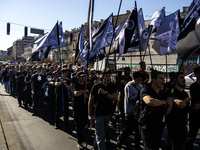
point(80, 45)
point(168, 33)
point(48, 42)
point(157, 17)
point(103, 39)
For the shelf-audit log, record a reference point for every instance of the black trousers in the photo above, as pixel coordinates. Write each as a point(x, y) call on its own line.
point(59, 110)
point(194, 126)
point(12, 87)
point(52, 107)
point(177, 134)
point(38, 105)
point(131, 125)
point(28, 97)
point(80, 119)
point(151, 136)
point(20, 95)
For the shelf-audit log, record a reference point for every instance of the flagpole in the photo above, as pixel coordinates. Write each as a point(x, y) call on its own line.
point(107, 55)
point(60, 64)
point(166, 66)
point(131, 62)
point(150, 55)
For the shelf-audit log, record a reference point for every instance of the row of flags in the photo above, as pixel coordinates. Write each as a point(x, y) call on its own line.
point(131, 35)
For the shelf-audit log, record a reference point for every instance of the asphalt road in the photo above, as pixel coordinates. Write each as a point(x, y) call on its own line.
point(22, 131)
point(19, 130)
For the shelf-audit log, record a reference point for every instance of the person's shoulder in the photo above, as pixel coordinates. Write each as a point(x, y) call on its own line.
point(194, 84)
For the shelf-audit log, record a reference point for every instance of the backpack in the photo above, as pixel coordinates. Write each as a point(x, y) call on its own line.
point(137, 104)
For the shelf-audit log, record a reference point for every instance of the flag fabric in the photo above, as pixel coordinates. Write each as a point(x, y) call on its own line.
point(51, 39)
point(38, 41)
point(79, 45)
point(141, 24)
point(168, 33)
point(39, 54)
point(90, 23)
point(157, 17)
point(122, 41)
point(103, 37)
point(134, 44)
point(46, 43)
point(188, 39)
point(145, 35)
point(61, 35)
point(119, 28)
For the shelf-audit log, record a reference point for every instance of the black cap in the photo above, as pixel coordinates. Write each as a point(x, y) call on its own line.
point(80, 73)
point(127, 69)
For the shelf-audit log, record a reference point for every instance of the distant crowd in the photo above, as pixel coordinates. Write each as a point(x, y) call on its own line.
point(138, 104)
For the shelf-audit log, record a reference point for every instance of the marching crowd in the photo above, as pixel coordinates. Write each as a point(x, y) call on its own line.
point(145, 105)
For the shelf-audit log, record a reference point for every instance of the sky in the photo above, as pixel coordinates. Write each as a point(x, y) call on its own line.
point(43, 14)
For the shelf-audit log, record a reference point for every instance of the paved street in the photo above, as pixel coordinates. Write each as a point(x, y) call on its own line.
point(19, 130)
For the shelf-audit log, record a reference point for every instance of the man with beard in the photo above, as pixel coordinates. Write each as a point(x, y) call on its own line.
point(104, 95)
point(20, 76)
point(153, 107)
point(177, 118)
point(80, 106)
point(62, 99)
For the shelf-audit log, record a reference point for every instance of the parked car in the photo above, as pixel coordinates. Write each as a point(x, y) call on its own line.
point(189, 79)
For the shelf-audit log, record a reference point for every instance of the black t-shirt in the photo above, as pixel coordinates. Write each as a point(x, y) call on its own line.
point(79, 100)
point(178, 115)
point(73, 78)
point(51, 90)
point(28, 78)
point(194, 93)
point(104, 104)
point(20, 80)
point(70, 72)
point(38, 81)
point(154, 114)
point(5, 76)
point(65, 91)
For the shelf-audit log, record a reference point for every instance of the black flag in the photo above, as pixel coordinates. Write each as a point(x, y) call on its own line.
point(189, 38)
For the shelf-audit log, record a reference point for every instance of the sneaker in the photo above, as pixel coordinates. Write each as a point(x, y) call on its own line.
point(119, 144)
point(80, 146)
